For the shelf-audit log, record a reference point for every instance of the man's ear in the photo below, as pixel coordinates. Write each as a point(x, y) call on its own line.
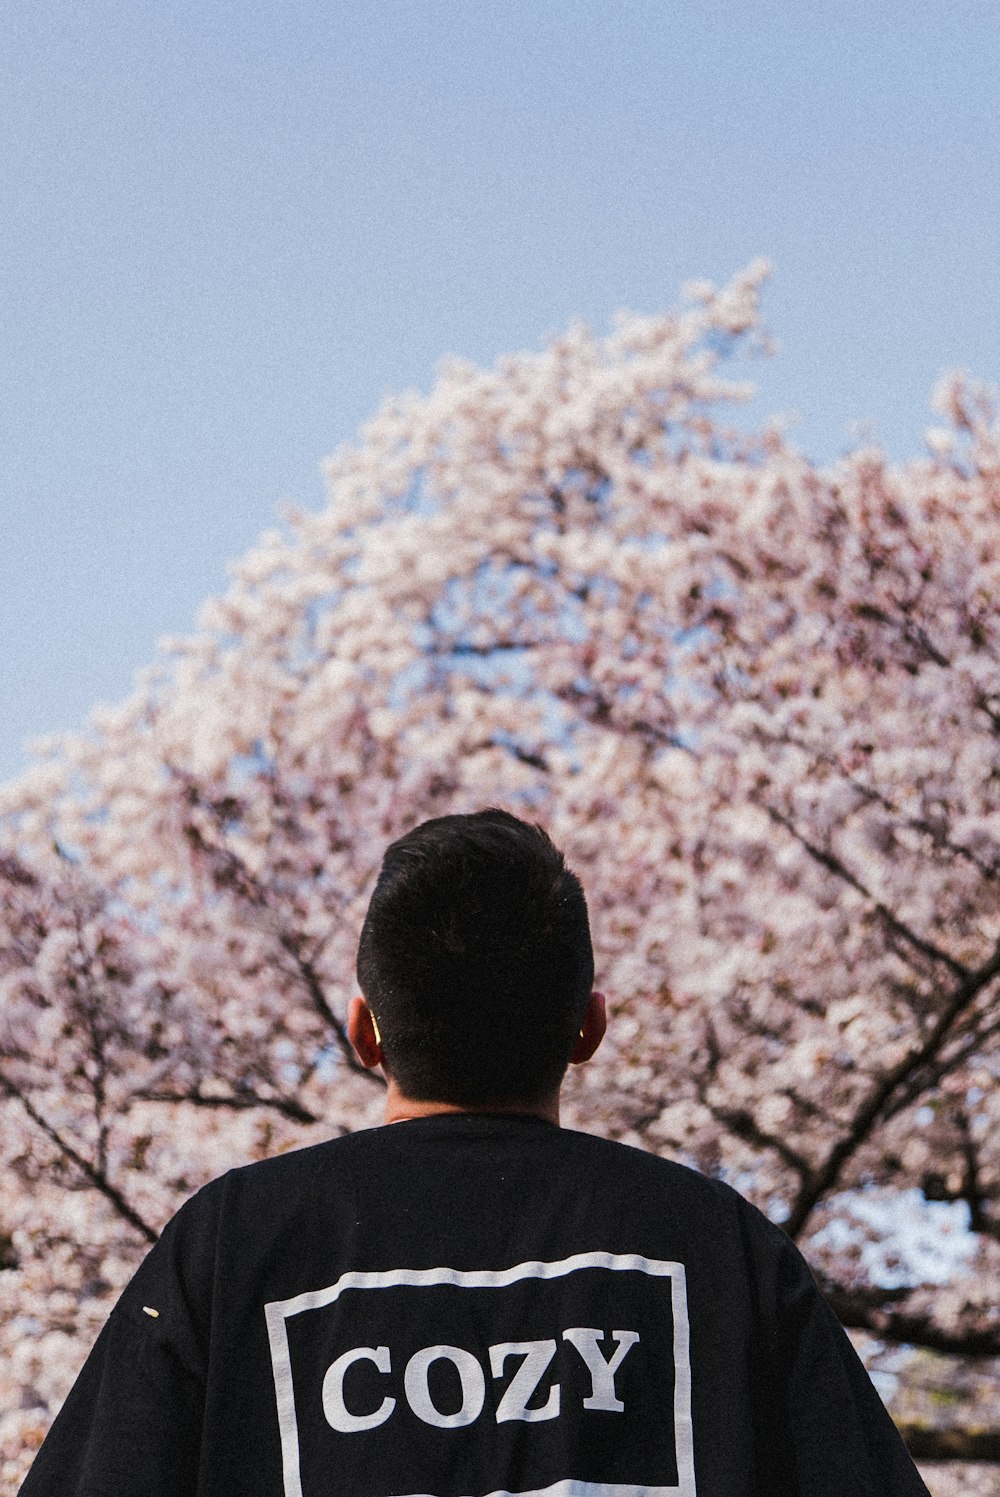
point(595, 1023)
point(363, 1034)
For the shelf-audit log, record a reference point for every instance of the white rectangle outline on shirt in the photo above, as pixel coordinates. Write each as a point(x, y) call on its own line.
point(278, 1311)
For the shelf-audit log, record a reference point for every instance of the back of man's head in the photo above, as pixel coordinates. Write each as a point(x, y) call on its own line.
point(475, 959)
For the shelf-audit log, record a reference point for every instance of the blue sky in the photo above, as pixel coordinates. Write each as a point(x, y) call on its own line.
point(229, 228)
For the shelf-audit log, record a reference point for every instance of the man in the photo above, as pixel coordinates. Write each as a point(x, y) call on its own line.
point(472, 1301)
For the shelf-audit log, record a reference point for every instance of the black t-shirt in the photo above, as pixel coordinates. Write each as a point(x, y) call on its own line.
point(472, 1306)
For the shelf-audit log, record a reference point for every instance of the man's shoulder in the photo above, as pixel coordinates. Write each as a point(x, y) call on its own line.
point(303, 1165)
point(391, 1158)
point(361, 1147)
point(282, 1175)
point(660, 1173)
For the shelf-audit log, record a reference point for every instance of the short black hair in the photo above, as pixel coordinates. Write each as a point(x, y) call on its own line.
point(476, 960)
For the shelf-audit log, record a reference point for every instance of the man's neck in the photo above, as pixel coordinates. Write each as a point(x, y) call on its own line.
point(398, 1107)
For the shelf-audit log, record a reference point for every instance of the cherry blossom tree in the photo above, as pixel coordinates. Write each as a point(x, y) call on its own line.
point(757, 703)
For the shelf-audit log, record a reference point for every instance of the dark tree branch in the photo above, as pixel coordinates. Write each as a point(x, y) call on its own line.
point(876, 1311)
point(972, 1040)
point(228, 871)
point(927, 1444)
point(972, 1192)
point(243, 1102)
point(97, 1178)
point(745, 1126)
point(714, 1050)
point(970, 1189)
point(96, 1044)
point(810, 1108)
point(499, 647)
point(875, 1105)
point(915, 634)
point(314, 987)
point(14, 871)
point(834, 865)
point(926, 828)
point(868, 793)
point(599, 709)
point(522, 755)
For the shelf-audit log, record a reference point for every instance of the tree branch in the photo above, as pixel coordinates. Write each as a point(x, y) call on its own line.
point(876, 1103)
point(970, 1190)
point(927, 1444)
point(745, 1126)
point(876, 1311)
point(972, 1040)
point(244, 1101)
point(871, 795)
point(834, 865)
point(229, 871)
point(96, 1177)
point(463, 648)
point(314, 987)
point(915, 634)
